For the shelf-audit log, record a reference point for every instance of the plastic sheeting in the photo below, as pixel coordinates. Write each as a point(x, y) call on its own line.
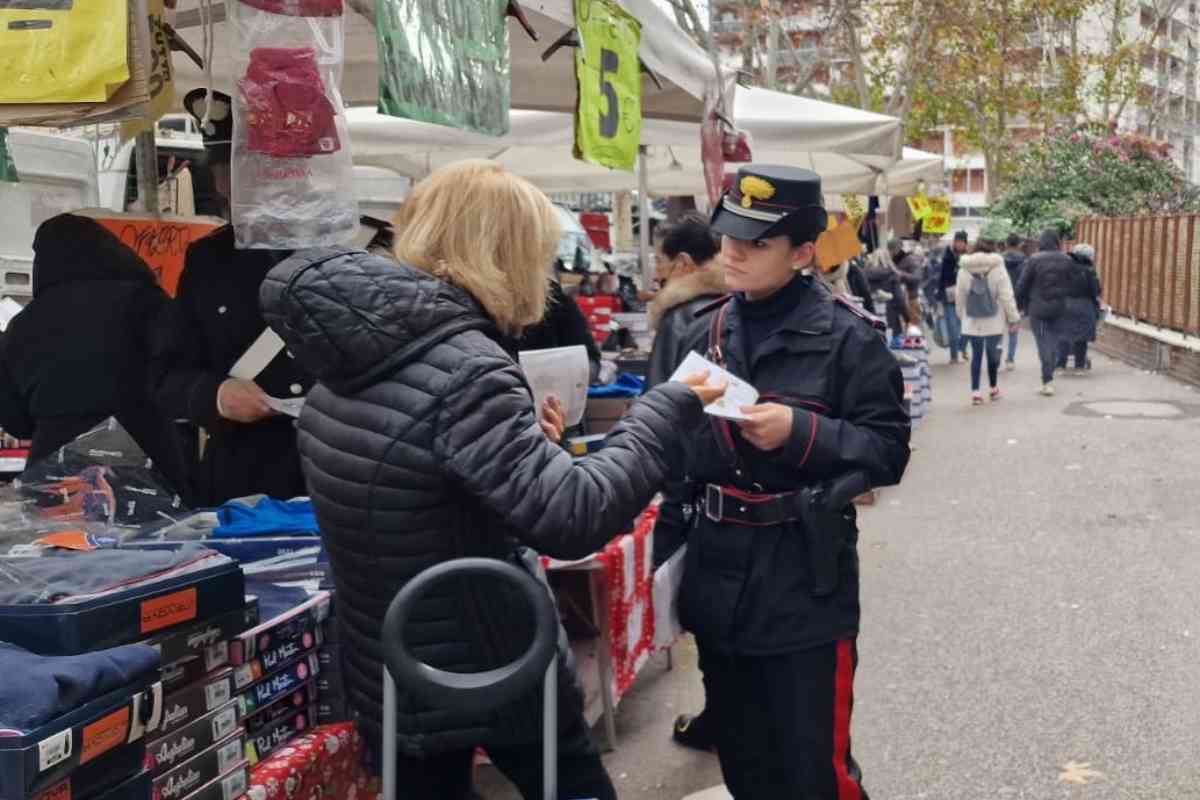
point(445, 62)
point(684, 70)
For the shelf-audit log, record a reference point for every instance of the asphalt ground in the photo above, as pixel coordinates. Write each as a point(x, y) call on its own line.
point(1031, 623)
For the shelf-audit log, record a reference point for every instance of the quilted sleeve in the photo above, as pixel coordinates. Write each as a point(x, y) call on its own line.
point(489, 441)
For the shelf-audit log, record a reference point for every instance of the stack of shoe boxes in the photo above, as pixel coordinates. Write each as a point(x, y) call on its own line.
point(198, 752)
point(277, 667)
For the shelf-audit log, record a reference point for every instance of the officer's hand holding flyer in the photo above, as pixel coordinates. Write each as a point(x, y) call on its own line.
point(737, 395)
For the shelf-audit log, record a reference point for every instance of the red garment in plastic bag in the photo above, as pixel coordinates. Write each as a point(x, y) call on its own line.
point(287, 113)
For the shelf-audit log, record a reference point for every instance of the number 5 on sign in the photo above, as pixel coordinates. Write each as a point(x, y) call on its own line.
point(608, 118)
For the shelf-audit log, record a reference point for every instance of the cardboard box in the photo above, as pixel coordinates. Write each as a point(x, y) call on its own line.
point(262, 744)
point(303, 697)
point(196, 700)
point(602, 414)
point(229, 786)
point(221, 758)
point(298, 630)
point(279, 685)
point(167, 752)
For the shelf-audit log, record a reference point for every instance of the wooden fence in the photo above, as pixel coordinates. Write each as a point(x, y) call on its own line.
point(1150, 267)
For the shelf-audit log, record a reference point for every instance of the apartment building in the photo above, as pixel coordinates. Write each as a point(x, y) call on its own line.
point(804, 54)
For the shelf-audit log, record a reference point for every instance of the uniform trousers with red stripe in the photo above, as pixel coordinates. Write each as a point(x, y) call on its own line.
point(782, 722)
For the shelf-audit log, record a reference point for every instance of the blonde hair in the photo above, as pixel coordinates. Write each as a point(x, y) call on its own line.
point(481, 228)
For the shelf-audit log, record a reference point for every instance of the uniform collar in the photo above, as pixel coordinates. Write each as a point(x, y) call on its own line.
point(812, 306)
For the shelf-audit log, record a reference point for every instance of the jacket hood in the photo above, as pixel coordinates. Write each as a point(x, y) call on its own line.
point(709, 281)
point(350, 318)
point(70, 248)
point(981, 263)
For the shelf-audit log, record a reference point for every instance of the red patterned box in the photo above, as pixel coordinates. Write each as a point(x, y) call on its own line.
point(326, 763)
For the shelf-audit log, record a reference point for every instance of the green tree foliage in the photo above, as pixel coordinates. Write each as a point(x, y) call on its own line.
point(1091, 170)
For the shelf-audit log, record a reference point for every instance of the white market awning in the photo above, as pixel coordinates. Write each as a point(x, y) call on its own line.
point(683, 69)
point(852, 150)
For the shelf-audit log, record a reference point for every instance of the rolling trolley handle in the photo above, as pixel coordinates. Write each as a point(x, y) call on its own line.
point(474, 691)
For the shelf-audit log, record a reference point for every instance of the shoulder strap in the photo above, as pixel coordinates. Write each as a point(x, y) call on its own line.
point(876, 322)
point(722, 430)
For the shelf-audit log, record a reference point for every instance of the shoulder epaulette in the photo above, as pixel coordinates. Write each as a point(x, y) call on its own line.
point(876, 322)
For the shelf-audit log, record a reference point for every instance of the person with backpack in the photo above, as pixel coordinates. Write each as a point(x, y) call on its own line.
point(988, 307)
point(1014, 262)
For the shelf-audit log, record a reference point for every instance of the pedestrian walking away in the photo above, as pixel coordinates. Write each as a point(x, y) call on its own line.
point(947, 297)
point(1059, 295)
point(984, 296)
point(1083, 311)
point(770, 585)
point(1014, 262)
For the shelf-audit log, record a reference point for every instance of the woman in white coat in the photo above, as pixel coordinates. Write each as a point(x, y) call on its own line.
point(988, 308)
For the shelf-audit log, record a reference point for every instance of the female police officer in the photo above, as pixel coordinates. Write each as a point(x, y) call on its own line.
point(771, 579)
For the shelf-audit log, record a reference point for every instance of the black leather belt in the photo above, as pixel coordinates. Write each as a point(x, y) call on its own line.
point(727, 504)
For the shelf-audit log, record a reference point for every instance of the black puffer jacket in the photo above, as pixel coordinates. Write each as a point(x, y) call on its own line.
point(77, 354)
point(1049, 279)
point(420, 444)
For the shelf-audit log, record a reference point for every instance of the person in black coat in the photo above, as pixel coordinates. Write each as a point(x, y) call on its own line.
point(421, 444)
point(563, 326)
point(771, 585)
point(1059, 294)
point(250, 447)
point(77, 354)
point(945, 295)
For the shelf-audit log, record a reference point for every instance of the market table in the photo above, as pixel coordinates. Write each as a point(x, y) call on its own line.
point(616, 612)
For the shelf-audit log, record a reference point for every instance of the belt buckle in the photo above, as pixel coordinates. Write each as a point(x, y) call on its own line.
point(714, 502)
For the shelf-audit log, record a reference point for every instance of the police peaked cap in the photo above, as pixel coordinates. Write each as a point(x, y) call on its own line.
point(768, 201)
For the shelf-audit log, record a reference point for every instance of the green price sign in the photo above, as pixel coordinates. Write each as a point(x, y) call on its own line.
point(608, 118)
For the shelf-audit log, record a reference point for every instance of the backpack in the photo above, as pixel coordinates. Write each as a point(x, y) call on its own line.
point(980, 302)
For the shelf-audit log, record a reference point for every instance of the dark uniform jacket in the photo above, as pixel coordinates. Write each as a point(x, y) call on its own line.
point(77, 354)
point(215, 319)
point(748, 590)
point(421, 444)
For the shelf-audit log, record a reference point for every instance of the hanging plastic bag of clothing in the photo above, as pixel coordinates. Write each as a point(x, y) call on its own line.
point(445, 62)
point(293, 178)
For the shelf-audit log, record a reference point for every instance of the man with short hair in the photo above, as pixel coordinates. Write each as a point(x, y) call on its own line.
point(946, 296)
point(1014, 262)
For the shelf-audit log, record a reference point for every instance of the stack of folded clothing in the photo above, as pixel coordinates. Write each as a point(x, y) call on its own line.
point(185, 606)
point(64, 602)
point(74, 727)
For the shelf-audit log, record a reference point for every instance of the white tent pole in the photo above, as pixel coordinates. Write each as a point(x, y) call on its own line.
point(644, 221)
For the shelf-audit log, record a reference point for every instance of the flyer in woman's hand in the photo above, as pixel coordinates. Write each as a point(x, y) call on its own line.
point(737, 395)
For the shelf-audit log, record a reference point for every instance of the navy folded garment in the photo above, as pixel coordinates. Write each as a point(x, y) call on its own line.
point(275, 599)
point(57, 576)
point(267, 516)
point(37, 689)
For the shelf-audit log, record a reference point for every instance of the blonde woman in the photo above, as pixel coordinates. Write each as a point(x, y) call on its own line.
point(421, 443)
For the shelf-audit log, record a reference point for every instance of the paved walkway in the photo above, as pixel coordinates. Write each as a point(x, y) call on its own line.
point(1031, 606)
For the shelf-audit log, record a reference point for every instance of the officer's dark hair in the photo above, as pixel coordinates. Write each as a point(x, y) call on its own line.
point(802, 229)
point(1015, 240)
point(691, 234)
